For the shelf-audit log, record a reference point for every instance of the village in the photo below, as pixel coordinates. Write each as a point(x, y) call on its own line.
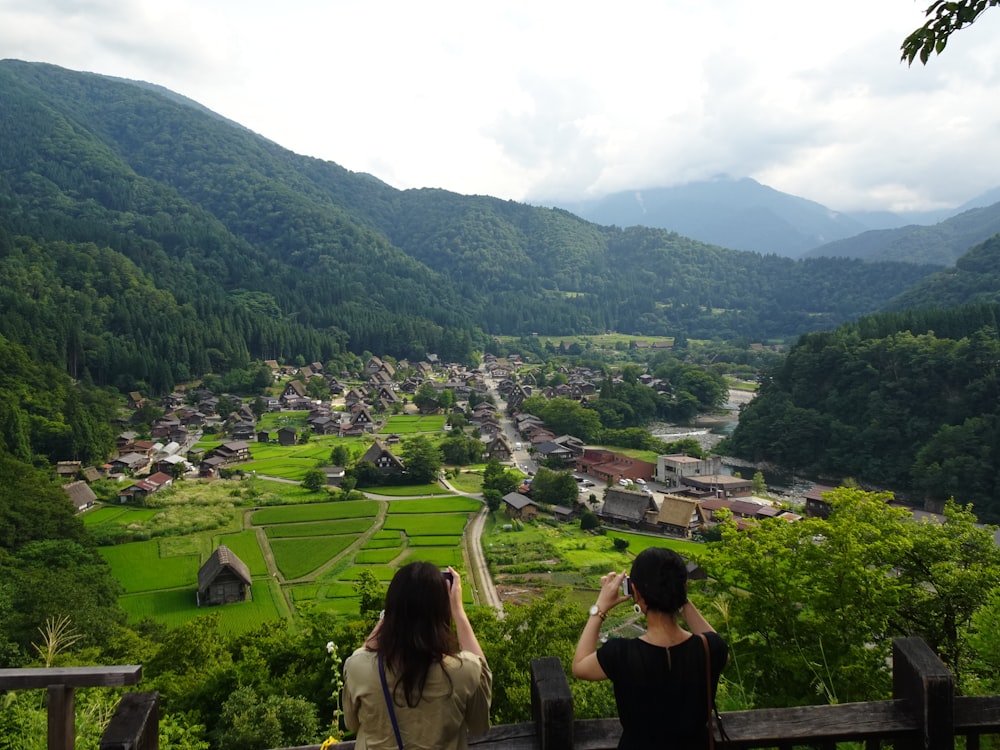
point(678, 495)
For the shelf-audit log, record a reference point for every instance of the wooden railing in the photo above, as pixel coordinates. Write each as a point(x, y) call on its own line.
point(60, 684)
point(924, 713)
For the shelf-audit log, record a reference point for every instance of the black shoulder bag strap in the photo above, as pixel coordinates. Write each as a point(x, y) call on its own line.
point(388, 701)
point(713, 712)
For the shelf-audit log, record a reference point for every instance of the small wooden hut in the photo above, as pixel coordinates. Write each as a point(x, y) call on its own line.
point(223, 579)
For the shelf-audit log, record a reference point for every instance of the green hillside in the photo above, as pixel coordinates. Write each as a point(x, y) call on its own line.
point(275, 254)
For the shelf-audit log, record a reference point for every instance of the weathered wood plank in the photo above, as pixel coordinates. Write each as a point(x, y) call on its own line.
point(74, 677)
point(817, 724)
point(135, 723)
point(977, 714)
point(551, 704)
point(922, 680)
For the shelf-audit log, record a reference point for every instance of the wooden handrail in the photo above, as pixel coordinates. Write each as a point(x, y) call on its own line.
point(61, 684)
point(924, 713)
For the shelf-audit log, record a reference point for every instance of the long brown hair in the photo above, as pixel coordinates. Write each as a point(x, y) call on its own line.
point(416, 630)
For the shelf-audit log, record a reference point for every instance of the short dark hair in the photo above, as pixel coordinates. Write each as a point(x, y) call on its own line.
point(660, 575)
point(416, 630)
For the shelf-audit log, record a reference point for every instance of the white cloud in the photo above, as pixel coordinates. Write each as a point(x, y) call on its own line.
point(562, 99)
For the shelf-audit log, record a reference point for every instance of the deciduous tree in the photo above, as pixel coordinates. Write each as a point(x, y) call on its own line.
point(944, 18)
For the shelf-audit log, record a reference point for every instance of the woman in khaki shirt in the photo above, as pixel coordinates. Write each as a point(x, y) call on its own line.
point(440, 684)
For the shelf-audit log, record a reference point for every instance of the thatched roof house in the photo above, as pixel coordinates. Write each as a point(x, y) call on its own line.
point(224, 578)
point(626, 506)
point(80, 495)
point(680, 515)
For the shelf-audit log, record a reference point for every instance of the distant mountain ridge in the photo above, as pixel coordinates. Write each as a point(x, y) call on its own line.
point(745, 215)
point(737, 213)
point(941, 244)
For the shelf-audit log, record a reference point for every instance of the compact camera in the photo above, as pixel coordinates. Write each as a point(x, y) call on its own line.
point(626, 587)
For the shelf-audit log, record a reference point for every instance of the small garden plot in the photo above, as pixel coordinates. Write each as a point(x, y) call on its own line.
point(638, 542)
point(431, 524)
point(315, 512)
point(276, 419)
point(409, 423)
point(173, 608)
point(297, 557)
point(319, 528)
point(139, 567)
point(435, 505)
point(246, 547)
point(369, 556)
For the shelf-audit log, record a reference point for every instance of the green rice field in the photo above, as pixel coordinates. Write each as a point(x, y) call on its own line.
point(381, 556)
point(315, 512)
point(139, 567)
point(435, 505)
point(179, 606)
point(435, 524)
point(245, 546)
point(405, 424)
point(297, 557)
point(319, 528)
point(409, 490)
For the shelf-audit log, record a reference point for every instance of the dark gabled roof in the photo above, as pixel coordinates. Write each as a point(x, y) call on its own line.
point(223, 558)
point(548, 448)
point(378, 451)
point(518, 501)
point(627, 505)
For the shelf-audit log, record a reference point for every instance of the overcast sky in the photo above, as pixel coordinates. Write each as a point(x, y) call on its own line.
point(564, 100)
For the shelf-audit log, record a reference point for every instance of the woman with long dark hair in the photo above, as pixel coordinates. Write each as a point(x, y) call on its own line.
point(415, 683)
point(662, 678)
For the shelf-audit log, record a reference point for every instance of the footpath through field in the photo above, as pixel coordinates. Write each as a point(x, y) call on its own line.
point(483, 587)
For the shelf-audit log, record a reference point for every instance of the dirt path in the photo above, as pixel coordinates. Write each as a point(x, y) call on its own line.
point(482, 582)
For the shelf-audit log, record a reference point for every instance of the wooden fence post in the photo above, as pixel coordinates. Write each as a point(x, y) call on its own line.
point(551, 704)
point(921, 679)
point(135, 724)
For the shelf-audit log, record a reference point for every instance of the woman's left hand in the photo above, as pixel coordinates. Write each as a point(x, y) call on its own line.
point(611, 591)
point(455, 592)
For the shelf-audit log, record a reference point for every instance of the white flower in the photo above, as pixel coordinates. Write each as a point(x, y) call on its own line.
point(330, 647)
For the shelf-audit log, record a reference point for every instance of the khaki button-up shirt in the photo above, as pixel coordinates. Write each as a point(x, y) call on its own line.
point(448, 711)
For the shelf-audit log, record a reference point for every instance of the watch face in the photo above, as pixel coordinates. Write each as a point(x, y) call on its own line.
point(594, 610)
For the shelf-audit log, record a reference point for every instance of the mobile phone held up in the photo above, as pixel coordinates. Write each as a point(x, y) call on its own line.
point(448, 577)
point(626, 586)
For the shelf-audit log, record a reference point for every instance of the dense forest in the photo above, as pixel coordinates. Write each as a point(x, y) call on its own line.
point(205, 225)
point(907, 400)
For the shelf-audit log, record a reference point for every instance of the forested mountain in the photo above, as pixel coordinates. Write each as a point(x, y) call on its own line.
point(942, 243)
point(254, 252)
point(741, 214)
point(907, 400)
